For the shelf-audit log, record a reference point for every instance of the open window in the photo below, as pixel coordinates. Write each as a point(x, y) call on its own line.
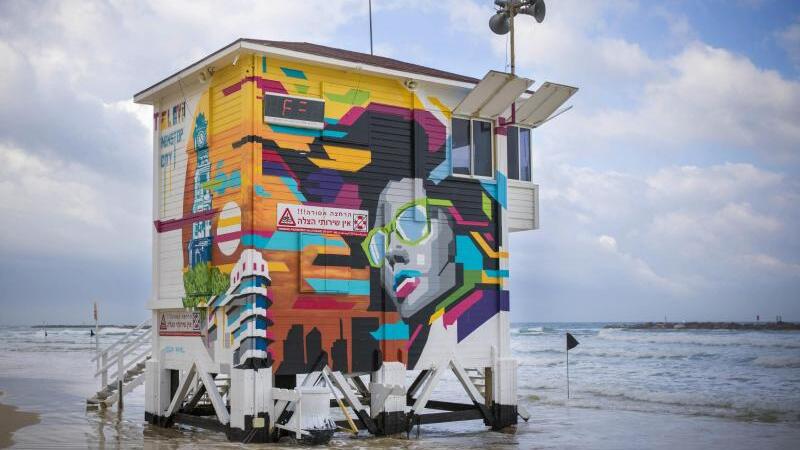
point(473, 147)
point(519, 153)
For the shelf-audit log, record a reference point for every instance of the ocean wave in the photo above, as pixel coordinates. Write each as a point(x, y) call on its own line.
point(537, 351)
point(114, 330)
point(531, 331)
point(687, 403)
point(627, 354)
point(777, 362)
point(633, 403)
point(711, 339)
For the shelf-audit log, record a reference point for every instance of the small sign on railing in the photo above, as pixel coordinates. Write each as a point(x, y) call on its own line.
point(179, 323)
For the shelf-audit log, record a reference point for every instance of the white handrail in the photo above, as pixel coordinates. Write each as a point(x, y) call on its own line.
point(136, 360)
point(120, 340)
point(114, 359)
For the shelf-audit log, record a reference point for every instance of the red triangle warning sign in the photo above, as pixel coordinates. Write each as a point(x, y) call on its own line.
point(287, 219)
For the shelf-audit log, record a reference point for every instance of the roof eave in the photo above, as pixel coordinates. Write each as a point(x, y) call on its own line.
point(363, 67)
point(147, 95)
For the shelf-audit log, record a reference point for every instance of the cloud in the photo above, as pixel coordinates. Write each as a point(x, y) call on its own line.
point(771, 263)
point(789, 39)
point(671, 186)
point(680, 239)
point(696, 96)
point(723, 182)
point(54, 208)
point(76, 153)
point(713, 97)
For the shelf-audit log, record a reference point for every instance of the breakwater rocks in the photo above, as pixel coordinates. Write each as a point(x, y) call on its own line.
point(755, 326)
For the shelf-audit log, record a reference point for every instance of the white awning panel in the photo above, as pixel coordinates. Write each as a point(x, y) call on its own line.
point(492, 95)
point(544, 102)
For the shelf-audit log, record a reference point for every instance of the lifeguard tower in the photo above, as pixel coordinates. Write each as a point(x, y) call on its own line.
point(326, 225)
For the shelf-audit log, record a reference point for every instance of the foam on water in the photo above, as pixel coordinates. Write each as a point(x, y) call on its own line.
point(737, 374)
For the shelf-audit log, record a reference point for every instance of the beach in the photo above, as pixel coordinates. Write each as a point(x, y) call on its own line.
point(628, 389)
point(12, 421)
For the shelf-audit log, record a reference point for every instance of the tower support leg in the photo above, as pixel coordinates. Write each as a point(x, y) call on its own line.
point(388, 398)
point(504, 393)
point(251, 405)
point(158, 393)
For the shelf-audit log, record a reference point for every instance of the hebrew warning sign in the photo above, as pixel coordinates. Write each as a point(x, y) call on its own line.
point(179, 323)
point(319, 219)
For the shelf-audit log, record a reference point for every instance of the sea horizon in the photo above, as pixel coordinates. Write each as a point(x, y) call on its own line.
point(512, 323)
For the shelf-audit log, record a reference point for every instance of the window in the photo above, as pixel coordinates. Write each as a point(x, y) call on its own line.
point(461, 147)
point(472, 147)
point(519, 153)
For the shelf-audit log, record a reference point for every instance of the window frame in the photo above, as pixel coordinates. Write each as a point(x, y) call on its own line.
point(471, 174)
point(519, 128)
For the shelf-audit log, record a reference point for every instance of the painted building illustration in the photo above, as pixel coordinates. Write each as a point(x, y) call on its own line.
point(338, 212)
point(200, 245)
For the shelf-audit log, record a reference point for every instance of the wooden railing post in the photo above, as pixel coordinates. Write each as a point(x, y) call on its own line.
point(120, 395)
point(120, 367)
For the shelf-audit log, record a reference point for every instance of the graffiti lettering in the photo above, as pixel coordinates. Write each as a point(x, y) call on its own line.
point(172, 138)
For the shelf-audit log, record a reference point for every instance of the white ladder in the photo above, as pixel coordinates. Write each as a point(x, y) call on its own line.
point(478, 379)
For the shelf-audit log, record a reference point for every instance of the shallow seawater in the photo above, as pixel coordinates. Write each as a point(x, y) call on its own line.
point(628, 389)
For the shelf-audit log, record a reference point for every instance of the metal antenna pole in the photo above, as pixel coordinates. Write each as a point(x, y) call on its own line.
point(567, 374)
point(370, 28)
point(512, 14)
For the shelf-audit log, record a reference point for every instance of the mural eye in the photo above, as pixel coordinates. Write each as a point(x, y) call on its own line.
point(412, 224)
point(377, 248)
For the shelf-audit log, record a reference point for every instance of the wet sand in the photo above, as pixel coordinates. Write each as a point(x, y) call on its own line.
point(12, 421)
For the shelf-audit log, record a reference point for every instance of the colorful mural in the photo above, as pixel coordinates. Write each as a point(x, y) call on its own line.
point(420, 269)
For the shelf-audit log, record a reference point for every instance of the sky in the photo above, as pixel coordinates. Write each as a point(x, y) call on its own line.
point(669, 189)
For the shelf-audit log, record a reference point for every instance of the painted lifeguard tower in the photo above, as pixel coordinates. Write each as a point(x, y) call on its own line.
point(326, 225)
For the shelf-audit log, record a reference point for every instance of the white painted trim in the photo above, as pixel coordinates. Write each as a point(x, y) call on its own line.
point(522, 184)
point(471, 175)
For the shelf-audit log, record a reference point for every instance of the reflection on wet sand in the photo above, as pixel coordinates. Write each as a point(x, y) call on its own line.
point(13, 420)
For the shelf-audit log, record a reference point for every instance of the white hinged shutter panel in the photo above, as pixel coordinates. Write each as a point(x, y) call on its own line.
point(492, 95)
point(543, 103)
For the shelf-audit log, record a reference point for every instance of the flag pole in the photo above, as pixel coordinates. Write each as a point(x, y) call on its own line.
point(571, 343)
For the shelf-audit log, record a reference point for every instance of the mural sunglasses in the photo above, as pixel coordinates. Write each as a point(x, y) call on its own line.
point(405, 225)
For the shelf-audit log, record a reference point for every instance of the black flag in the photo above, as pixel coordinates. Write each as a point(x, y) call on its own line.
point(571, 342)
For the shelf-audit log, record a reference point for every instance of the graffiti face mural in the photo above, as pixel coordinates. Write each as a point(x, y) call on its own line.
point(325, 223)
point(415, 249)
